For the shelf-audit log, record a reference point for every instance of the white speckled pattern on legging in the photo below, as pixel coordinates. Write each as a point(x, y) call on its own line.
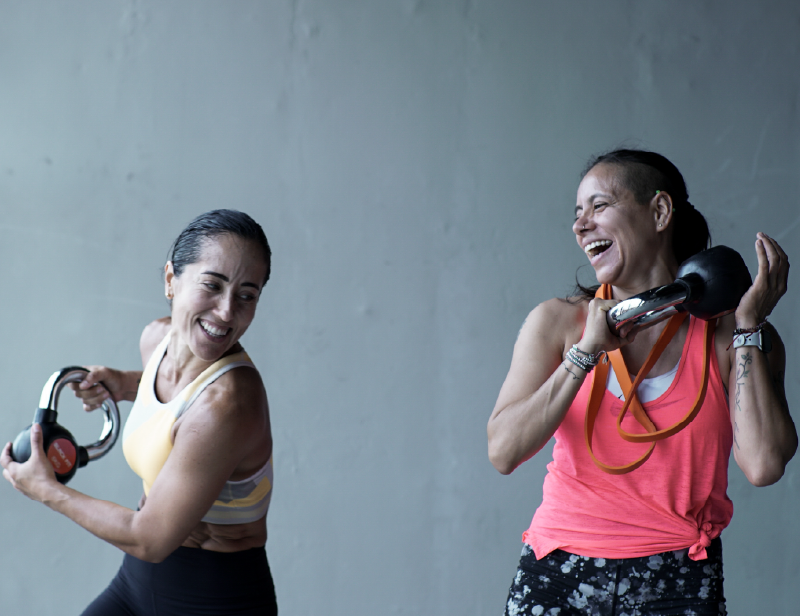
point(666, 584)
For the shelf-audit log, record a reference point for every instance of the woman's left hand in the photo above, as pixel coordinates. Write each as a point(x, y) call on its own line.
point(34, 476)
point(769, 285)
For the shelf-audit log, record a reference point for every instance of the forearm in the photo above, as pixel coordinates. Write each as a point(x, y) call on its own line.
point(108, 521)
point(764, 434)
point(521, 429)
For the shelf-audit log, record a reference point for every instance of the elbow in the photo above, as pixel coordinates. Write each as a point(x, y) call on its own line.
point(764, 479)
point(150, 554)
point(151, 541)
point(767, 467)
point(500, 458)
point(766, 472)
point(151, 547)
point(502, 466)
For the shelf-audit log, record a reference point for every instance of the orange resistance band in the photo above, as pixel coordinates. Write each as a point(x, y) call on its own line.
point(598, 389)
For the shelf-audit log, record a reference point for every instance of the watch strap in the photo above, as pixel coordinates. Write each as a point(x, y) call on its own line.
point(760, 339)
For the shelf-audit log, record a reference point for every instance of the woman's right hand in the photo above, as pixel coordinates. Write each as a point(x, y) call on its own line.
point(116, 384)
point(597, 336)
point(33, 477)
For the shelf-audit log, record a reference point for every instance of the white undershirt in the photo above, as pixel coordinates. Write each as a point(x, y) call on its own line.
point(649, 389)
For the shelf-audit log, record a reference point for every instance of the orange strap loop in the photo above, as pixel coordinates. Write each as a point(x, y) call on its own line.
point(600, 377)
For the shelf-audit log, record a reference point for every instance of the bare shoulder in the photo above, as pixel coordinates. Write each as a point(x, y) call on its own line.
point(569, 311)
point(556, 322)
point(236, 402)
point(242, 385)
point(550, 329)
point(152, 334)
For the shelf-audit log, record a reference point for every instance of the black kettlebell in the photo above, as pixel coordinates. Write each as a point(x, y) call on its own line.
point(63, 452)
point(710, 284)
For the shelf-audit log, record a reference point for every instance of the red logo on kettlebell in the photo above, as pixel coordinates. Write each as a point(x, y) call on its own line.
point(62, 455)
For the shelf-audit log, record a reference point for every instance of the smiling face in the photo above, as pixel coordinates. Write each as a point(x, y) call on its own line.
point(620, 236)
point(215, 298)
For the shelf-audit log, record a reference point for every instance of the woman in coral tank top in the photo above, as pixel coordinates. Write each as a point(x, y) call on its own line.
point(627, 524)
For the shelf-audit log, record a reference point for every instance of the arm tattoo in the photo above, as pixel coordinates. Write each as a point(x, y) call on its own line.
point(741, 373)
point(566, 367)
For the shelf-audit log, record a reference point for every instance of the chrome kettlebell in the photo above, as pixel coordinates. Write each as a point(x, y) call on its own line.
point(710, 284)
point(64, 454)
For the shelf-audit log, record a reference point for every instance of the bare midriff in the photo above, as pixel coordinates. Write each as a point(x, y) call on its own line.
point(225, 537)
point(228, 537)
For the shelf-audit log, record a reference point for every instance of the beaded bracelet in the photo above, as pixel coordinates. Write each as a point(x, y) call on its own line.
point(749, 330)
point(585, 361)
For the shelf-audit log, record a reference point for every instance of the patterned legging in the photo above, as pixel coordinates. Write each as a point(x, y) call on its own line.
point(666, 584)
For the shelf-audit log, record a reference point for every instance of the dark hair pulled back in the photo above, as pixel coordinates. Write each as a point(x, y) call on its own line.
point(643, 174)
point(188, 245)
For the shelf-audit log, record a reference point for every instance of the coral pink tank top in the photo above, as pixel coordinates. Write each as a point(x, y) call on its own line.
point(675, 500)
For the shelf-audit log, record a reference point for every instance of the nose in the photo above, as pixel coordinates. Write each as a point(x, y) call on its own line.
point(581, 223)
point(225, 307)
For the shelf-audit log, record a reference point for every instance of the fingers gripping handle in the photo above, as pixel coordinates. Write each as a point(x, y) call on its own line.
point(48, 403)
point(648, 308)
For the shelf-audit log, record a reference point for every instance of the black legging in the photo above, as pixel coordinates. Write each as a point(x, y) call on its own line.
point(190, 581)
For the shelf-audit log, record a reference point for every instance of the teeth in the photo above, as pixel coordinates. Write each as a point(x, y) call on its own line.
point(589, 247)
point(214, 331)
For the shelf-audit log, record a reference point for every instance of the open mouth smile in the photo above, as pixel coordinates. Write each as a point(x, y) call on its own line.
point(213, 331)
point(594, 249)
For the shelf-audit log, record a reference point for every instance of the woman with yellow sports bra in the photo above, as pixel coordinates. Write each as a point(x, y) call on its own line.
point(198, 435)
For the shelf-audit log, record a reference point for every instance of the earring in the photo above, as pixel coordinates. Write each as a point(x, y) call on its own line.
point(660, 225)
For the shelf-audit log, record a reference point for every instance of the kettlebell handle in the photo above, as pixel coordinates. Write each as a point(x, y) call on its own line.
point(709, 285)
point(48, 403)
point(650, 307)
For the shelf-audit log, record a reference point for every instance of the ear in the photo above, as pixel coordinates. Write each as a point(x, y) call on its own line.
point(169, 276)
point(662, 210)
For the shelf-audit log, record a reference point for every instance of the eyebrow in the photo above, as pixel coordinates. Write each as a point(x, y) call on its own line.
point(592, 198)
point(226, 279)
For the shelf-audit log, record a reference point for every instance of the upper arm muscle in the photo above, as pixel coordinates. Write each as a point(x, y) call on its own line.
point(538, 351)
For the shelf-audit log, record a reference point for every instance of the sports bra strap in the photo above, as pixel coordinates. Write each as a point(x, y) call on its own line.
point(213, 376)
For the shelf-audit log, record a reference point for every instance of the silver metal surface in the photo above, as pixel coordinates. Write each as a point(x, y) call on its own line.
point(647, 308)
point(111, 425)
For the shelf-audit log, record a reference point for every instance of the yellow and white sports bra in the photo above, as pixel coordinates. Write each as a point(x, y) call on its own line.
point(147, 440)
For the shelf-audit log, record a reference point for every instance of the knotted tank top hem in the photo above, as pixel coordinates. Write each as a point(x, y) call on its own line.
point(696, 545)
point(676, 500)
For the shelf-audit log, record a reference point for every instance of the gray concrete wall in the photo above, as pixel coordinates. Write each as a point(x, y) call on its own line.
point(414, 164)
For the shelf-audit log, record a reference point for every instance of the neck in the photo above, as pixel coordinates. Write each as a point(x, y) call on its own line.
point(657, 274)
point(179, 360)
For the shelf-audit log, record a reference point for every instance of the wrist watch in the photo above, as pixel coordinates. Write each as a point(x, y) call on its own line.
point(760, 339)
